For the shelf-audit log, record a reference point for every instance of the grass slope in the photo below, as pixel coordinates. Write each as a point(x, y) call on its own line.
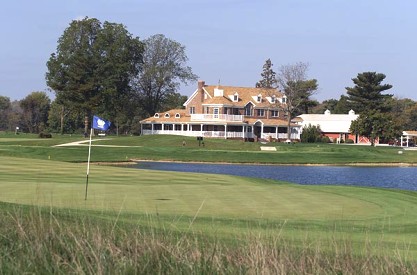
point(217, 204)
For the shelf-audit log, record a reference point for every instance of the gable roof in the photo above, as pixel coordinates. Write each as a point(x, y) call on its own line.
point(245, 94)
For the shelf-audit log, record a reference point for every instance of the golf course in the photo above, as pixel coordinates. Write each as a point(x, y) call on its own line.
point(144, 221)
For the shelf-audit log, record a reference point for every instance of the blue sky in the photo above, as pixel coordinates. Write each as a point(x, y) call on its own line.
point(229, 40)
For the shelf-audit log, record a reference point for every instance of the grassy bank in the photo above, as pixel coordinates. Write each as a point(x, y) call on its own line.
point(214, 150)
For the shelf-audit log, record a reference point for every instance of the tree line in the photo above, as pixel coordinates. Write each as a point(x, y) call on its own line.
point(101, 68)
point(382, 115)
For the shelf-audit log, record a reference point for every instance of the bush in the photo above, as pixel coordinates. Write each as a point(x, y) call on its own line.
point(325, 139)
point(311, 134)
point(349, 141)
point(45, 135)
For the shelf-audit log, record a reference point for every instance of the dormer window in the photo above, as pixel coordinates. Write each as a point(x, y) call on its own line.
point(177, 115)
point(273, 99)
point(259, 98)
point(156, 115)
point(236, 97)
point(284, 99)
point(166, 115)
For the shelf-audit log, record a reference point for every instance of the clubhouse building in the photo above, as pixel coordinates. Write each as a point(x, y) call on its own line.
point(227, 112)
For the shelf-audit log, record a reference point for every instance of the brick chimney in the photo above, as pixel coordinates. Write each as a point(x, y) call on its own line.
point(201, 84)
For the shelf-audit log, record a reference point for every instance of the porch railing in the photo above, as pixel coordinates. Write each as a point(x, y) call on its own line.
point(216, 117)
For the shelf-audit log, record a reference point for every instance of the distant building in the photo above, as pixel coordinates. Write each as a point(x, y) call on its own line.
point(227, 112)
point(334, 126)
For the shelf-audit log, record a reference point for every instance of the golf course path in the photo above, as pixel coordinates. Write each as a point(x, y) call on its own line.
point(85, 143)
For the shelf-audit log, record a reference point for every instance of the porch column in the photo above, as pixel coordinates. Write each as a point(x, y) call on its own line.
point(201, 129)
point(141, 129)
point(401, 140)
point(225, 131)
point(152, 129)
point(163, 128)
point(182, 127)
point(243, 132)
point(276, 132)
point(407, 140)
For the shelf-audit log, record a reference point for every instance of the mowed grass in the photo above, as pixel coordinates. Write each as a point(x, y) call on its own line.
point(170, 148)
point(217, 204)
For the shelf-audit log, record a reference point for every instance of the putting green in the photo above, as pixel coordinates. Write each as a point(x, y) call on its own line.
point(59, 184)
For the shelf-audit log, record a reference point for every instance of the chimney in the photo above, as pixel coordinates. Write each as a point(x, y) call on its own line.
point(200, 85)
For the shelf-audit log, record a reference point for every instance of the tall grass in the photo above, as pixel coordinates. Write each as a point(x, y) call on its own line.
point(50, 241)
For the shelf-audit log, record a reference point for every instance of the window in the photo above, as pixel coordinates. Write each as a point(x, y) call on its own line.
point(216, 112)
point(156, 115)
point(273, 99)
point(248, 110)
point(274, 113)
point(177, 115)
point(192, 110)
point(236, 97)
point(284, 99)
point(259, 98)
point(260, 112)
point(167, 115)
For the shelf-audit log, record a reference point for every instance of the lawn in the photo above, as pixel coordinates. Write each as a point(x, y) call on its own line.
point(241, 221)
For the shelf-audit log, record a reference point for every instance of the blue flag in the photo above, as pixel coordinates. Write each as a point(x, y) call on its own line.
point(100, 124)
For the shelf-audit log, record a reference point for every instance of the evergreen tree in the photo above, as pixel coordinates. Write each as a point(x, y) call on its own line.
point(367, 93)
point(268, 76)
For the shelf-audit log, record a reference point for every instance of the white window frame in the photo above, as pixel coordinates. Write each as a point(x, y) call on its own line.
point(216, 112)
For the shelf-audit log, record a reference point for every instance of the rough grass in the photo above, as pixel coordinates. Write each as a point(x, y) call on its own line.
point(47, 241)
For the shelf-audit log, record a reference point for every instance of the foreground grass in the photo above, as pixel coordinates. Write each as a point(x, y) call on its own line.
point(214, 150)
point(50, 241)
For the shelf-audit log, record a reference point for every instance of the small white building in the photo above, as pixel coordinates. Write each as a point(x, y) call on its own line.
point(335, 126)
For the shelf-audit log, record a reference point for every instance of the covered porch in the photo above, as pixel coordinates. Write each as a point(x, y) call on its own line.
point(408, 138)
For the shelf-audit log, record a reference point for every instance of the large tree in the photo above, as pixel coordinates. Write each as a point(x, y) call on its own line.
point(164, 69)
point(93, 66)
point(35, 108)
point(366, 98)
point(292, 80)
point(374, 124)
point(268, 75)
point(5, 109)
point(367, 93)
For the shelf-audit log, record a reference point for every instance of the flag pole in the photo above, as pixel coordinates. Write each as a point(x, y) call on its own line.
point(88, 163)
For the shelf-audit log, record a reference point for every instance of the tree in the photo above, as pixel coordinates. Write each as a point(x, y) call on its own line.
point(162, 72)
point(5, 108)
point(374, 124)
point(292, 80)
point(269, 79)
point(367, 93)
point(93, 66)
point(35, 108)
point(174, 101)
point(62, 119)
point(373, 107)
point(311, 134)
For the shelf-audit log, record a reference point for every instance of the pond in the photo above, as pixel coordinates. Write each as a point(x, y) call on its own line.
point(386, 177)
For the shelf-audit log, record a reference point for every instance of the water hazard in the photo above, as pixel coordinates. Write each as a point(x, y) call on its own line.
point(386, 177)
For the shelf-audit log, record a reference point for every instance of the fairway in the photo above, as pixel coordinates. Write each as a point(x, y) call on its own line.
point(59, 184)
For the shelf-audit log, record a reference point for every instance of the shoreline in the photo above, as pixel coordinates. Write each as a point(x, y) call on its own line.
point(356, 164)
